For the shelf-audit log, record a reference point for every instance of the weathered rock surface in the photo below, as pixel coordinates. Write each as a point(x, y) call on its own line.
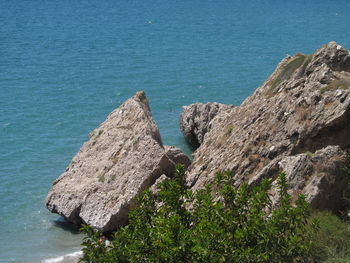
point(177, 156)
point(123, 156)
point(195, 120)
point(303, 106)
point(321, 176)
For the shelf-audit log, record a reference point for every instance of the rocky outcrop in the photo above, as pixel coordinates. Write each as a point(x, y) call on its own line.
point(321, 176)
point(123, 156)
point(298, 122)
point(195, 120)
point(303, 107)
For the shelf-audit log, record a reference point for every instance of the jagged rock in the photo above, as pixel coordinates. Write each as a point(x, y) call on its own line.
point(123, 156)
point(195, 119)
point(303, 106)
point(321, 176)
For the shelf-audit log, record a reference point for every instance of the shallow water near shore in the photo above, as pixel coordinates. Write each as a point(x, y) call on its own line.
point(64, 65)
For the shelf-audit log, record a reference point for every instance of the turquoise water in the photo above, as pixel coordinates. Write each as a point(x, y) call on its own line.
point(64, 65)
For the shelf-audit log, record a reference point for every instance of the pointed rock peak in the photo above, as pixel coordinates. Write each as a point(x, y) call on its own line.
point(334, 56)
point(136, 110)
point(141, 95)
point(142, 98)
point(334, 44)
point(326, 65)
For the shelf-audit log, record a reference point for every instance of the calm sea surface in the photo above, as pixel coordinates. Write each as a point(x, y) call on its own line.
point(65, 64)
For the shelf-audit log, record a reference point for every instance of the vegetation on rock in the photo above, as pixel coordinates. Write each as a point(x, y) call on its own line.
point(289, 68)
point(232, 225)
point(343, 84)
point(331, 241)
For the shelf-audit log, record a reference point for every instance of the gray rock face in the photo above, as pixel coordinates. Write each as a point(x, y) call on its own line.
point(123, 156)
point(303, 106)
point(195, 120)
point(177, 156)
point(321, 176)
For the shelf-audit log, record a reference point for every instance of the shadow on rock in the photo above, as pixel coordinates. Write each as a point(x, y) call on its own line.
point(66, 226)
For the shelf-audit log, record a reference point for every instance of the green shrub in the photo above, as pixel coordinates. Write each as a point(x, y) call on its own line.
point(233, 225)
point(331, 243)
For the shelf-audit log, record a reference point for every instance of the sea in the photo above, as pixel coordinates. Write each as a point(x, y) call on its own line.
point(66, 64)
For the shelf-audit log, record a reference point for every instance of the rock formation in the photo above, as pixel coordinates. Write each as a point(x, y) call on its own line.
point(195, 120)
point(321, 176)
point(123, 156)
point(303, 107)
point(298, 121)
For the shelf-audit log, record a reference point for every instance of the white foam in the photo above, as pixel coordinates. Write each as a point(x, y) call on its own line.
point(63, 258)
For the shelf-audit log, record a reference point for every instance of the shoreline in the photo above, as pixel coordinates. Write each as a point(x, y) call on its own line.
point(68, 258)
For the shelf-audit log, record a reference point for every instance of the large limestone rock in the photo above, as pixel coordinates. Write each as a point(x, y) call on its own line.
point(123, 156)
point(303, 106)
point(195, 120)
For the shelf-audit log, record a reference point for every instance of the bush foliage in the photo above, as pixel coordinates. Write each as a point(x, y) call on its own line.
point(331, 243)
point(232, 225)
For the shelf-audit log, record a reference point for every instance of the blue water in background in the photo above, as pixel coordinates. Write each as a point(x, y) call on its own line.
point(65, 64)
